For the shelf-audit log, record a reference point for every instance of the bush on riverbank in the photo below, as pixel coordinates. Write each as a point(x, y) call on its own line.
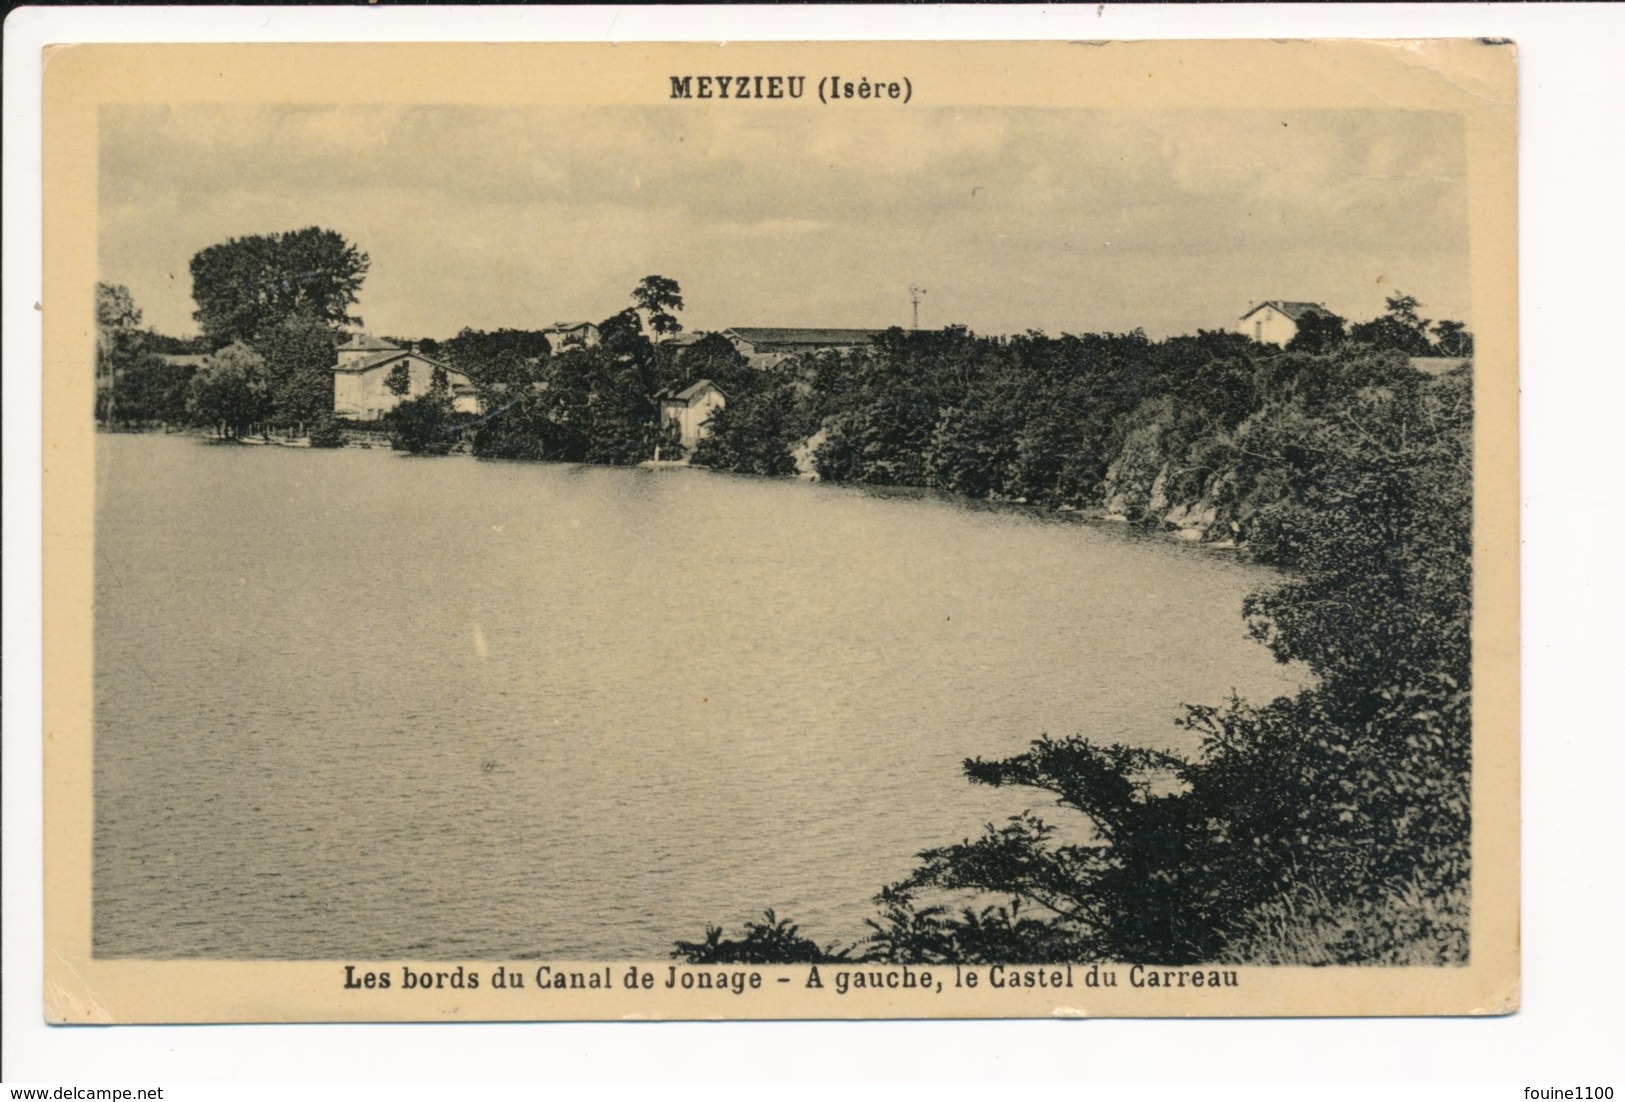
point(775, 941)
point(427, 424)
point(327, 432)
point(753, 434)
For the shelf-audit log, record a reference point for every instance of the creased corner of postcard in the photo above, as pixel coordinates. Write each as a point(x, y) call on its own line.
point(69, 999)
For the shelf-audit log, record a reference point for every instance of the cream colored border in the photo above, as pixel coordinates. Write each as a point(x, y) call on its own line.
point(1474, 78)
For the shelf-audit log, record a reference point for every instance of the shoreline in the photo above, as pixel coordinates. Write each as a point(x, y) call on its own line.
point(1092, 515)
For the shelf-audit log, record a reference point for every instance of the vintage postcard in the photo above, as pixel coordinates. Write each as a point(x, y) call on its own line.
point(780, 530)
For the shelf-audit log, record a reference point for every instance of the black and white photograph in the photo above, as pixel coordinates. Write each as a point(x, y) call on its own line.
point(798, 536)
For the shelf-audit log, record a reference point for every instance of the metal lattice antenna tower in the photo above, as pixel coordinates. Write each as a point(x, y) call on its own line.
point(914, 293)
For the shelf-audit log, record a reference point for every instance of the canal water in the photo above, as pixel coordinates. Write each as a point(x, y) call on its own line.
point(356, 705)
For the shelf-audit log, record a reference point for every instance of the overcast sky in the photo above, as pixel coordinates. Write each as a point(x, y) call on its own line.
point(1061, 220)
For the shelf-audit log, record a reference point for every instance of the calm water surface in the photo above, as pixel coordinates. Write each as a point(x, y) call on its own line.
point(357, 705)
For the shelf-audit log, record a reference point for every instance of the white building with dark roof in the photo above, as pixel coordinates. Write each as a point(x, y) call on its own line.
point(360, 390)
point(1276, 320)
point(690, 407)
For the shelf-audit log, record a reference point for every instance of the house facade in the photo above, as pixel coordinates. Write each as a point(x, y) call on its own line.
point(763, 347)
point(1276, 321)
point(689, 408)
point(360, 379)
point(562, 335)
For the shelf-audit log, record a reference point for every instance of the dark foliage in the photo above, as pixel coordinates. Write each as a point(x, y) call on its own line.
point(581, 405)
point(118, 344)
point(1452, 339)
point(245, 286)
point(514, 424)
point(775, 941)
point(399, 380)
point(231, 392)
point(1318, 332)
point(144, 390)
point(1355, 791)
point(1028, 418)
point(1327, 827)
point(326, 432)
point(299, 354)
point(657, 296)
point(714, 357)
point(1403, 329)
point(485, 356)
point(425, 425)
point(749, 434)
point(622, 332)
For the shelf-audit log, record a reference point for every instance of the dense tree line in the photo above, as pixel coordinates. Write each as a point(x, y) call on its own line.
point(1029, 418)
point(474, 351)
point(1327, 827)
point(275, 308)
point(585, 405)
point(427, 424)
point(136, 385)
point(579, 404)
point(1331, 826)
point(272, 309)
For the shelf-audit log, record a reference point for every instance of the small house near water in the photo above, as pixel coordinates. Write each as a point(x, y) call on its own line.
point(690, 407)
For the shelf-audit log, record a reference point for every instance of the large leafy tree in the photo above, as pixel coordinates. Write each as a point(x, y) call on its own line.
point(117, 320)
point(973, 447)
point(753, 434)
point(1452, 338)
point(591, 405)
point(1318, 331)
point(513, 423)
point(657, 296)
point(399, 380)
point(231, 392)
point(622, 332)
point(299, 355)
point(118, 341)
point(490, 356)
point(1400, 328)
point(427, 424)
point(151, 390)
point(600, 407)
point(245, 286)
